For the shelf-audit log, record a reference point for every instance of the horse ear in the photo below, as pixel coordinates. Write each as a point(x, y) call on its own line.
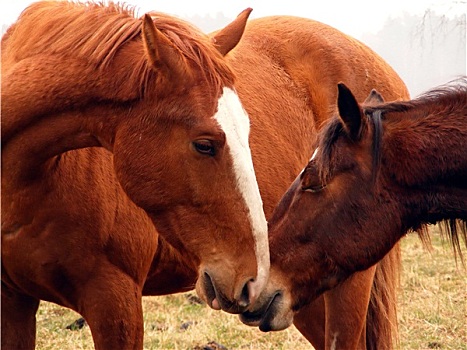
point(374, 98)
point(349, 112)
point(226, 39)
point(161, 53)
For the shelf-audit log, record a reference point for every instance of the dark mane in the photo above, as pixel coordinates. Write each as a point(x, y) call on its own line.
point(96, 32)
point(331, 133)
point(445, 99)
point(451, 96)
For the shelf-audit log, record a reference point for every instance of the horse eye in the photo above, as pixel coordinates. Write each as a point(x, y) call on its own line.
point(205, 147)
point(313, 189)
point(311, 181)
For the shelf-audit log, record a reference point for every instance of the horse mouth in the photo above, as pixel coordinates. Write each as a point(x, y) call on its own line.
point(217, 300)
point(210, 291)
point(263, 317)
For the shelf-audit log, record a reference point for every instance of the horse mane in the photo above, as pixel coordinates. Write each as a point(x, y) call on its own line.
point(447, 98)
point(331, 133)
point(95, 32)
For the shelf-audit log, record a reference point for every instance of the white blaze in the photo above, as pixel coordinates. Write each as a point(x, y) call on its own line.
point(236, 125)
point(314, 154)
point(312, 157)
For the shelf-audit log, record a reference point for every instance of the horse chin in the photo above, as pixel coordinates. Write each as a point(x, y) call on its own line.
point(275, 315)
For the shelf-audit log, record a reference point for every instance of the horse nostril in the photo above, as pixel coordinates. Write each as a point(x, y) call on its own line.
point(244, 299)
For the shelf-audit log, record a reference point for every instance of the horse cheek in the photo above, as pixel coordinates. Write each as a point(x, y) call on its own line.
point(139, 173)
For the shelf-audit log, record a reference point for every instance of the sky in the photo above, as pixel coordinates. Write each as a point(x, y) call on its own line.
point(353, 17)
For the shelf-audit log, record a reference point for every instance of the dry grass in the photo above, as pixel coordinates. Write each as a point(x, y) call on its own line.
point(433, 300)
point(432, 313)
point(171, 322)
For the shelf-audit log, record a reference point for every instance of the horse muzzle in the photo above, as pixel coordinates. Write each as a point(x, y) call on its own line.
point(272, 314)
point(245, 294)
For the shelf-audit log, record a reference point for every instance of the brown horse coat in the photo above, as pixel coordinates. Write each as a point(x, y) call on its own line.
point(78, 253)
point(379, 170)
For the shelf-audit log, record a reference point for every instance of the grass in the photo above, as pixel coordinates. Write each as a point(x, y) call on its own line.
point(170, 322)
point(433, 299)
point(432, 313)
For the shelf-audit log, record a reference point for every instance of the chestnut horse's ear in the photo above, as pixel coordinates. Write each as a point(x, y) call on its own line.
point(161, 53)
point(226, 39)
point(349, 112)
point(374, 98)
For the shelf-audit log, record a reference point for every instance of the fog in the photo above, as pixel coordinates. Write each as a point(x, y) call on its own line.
point(426, 50)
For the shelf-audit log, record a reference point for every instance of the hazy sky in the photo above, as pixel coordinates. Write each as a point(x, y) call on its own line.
point(353, 17)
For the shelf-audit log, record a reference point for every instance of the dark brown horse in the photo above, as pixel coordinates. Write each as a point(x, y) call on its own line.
point(101, 111)
point(379, 171)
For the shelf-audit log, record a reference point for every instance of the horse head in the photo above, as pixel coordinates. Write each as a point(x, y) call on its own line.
point(186, 160)
point(308, 235)
point(159, 95)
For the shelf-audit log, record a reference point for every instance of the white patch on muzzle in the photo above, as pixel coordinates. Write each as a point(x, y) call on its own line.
point(334, 341)
point(235, 122)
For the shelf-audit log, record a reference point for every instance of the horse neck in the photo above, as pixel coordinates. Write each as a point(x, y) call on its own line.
point(66, 104)
point(31, 150)
point(427, 145)
point(36, 138)
point(424, 153)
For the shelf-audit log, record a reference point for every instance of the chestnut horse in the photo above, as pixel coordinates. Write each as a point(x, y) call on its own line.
point(379, 171)
point(284, 69)
point(112, 125)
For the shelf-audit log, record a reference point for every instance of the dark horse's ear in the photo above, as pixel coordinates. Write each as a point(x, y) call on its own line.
point(226, 39)
point(349, 112)
point(374, 98)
